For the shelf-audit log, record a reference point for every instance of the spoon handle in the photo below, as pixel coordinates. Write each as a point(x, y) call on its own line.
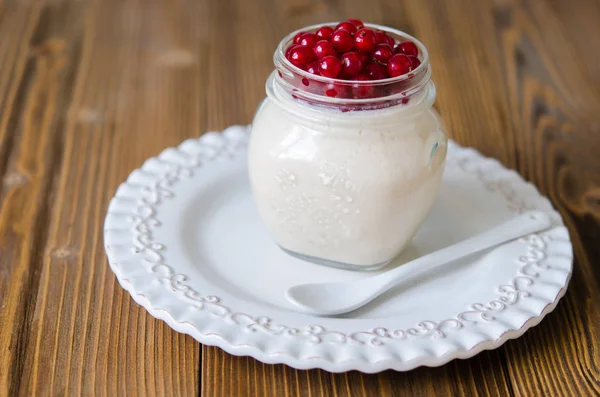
point(521, 225)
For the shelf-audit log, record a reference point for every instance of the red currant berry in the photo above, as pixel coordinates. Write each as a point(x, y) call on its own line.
point(381, 37)
point(342, 40)
point(309, 39)
point(362, 90)
point(364, 57)
point(398, 65)
point(297, 37)
point(332, 92)
point(391, 41)
point(376, 71)
point(351, 64)
point(300, 56)
point(364, 40)
point(313, 68)
point(289, 51)
point(361, 77)
point(336, 90)
point(324, 32)
point(330, 66)
point(383, 53)
point(349, 26)
point(356, 22)
point(324, 48)
point(414, 61)
point(407, 48)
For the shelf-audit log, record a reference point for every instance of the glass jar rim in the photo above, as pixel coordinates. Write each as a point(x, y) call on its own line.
point(351, 94)
point(279, 57)
point(306, 110)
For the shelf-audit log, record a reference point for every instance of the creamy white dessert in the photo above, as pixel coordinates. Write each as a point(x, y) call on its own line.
point(347, 187)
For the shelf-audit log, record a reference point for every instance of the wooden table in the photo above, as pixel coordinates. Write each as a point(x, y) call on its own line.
point(89, 89)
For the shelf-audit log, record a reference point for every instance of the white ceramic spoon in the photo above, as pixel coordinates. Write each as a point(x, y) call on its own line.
point(328, 299)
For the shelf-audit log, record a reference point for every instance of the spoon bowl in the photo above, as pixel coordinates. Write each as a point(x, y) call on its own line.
point(333, 298)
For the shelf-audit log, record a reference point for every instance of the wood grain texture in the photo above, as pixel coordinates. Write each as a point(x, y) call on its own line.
point(90, 89)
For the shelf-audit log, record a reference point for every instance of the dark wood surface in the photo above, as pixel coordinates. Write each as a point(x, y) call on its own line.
point(90, 89)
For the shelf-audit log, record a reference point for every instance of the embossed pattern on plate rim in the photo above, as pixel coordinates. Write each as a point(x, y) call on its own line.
point(212, 146)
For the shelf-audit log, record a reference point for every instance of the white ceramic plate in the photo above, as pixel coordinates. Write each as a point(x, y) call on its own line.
point(183, 237)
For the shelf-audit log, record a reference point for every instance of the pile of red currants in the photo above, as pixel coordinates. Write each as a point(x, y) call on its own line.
point(352, 52)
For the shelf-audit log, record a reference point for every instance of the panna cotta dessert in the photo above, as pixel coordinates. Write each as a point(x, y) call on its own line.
point(346, 152)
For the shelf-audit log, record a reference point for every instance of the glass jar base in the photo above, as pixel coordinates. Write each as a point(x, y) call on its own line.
point(338, 265)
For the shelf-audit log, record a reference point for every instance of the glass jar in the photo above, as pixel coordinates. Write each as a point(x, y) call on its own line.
point(343, 173)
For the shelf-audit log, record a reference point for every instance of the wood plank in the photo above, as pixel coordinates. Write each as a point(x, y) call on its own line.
point(138, 69)
point(483, 375)
point(29, 90)
point(557, 110)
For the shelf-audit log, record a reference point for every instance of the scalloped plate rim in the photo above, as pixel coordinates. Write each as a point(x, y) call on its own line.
point(343, 366)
